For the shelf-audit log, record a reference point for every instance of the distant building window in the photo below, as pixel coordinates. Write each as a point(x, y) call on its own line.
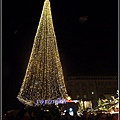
point(77, 96)
point(85, 96)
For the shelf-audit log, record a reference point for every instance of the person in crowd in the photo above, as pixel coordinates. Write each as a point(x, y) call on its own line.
point(76, 117)
point(84, 116)
point(67, 116)
point(114, 117)
point(25, 116)
point(101, 116)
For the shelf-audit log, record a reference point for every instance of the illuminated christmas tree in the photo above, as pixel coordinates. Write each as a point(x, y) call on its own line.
point(44, 78)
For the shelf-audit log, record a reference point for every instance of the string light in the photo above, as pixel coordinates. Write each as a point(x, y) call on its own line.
point(44, 78)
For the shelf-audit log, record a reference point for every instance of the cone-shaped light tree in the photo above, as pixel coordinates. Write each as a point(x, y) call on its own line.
point(44, 78)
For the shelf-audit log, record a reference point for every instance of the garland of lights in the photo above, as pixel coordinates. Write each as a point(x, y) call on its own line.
point(44, 76)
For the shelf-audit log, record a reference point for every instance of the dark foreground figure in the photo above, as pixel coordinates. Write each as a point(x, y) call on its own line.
point(52, 113)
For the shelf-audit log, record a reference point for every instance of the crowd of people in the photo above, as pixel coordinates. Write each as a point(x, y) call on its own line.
point(38, 114)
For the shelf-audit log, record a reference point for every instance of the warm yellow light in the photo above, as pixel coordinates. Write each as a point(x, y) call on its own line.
point(44, 78)
point(68, 98)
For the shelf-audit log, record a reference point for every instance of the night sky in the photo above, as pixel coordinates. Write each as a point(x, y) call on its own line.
point(86, 32)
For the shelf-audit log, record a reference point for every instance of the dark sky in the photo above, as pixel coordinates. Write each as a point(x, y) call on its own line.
point(86, 32)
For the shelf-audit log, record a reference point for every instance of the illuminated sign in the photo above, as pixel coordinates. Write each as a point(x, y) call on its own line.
point(57, 101)
point(75, 101)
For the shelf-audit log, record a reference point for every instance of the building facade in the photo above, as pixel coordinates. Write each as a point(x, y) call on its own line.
point(90, 88)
